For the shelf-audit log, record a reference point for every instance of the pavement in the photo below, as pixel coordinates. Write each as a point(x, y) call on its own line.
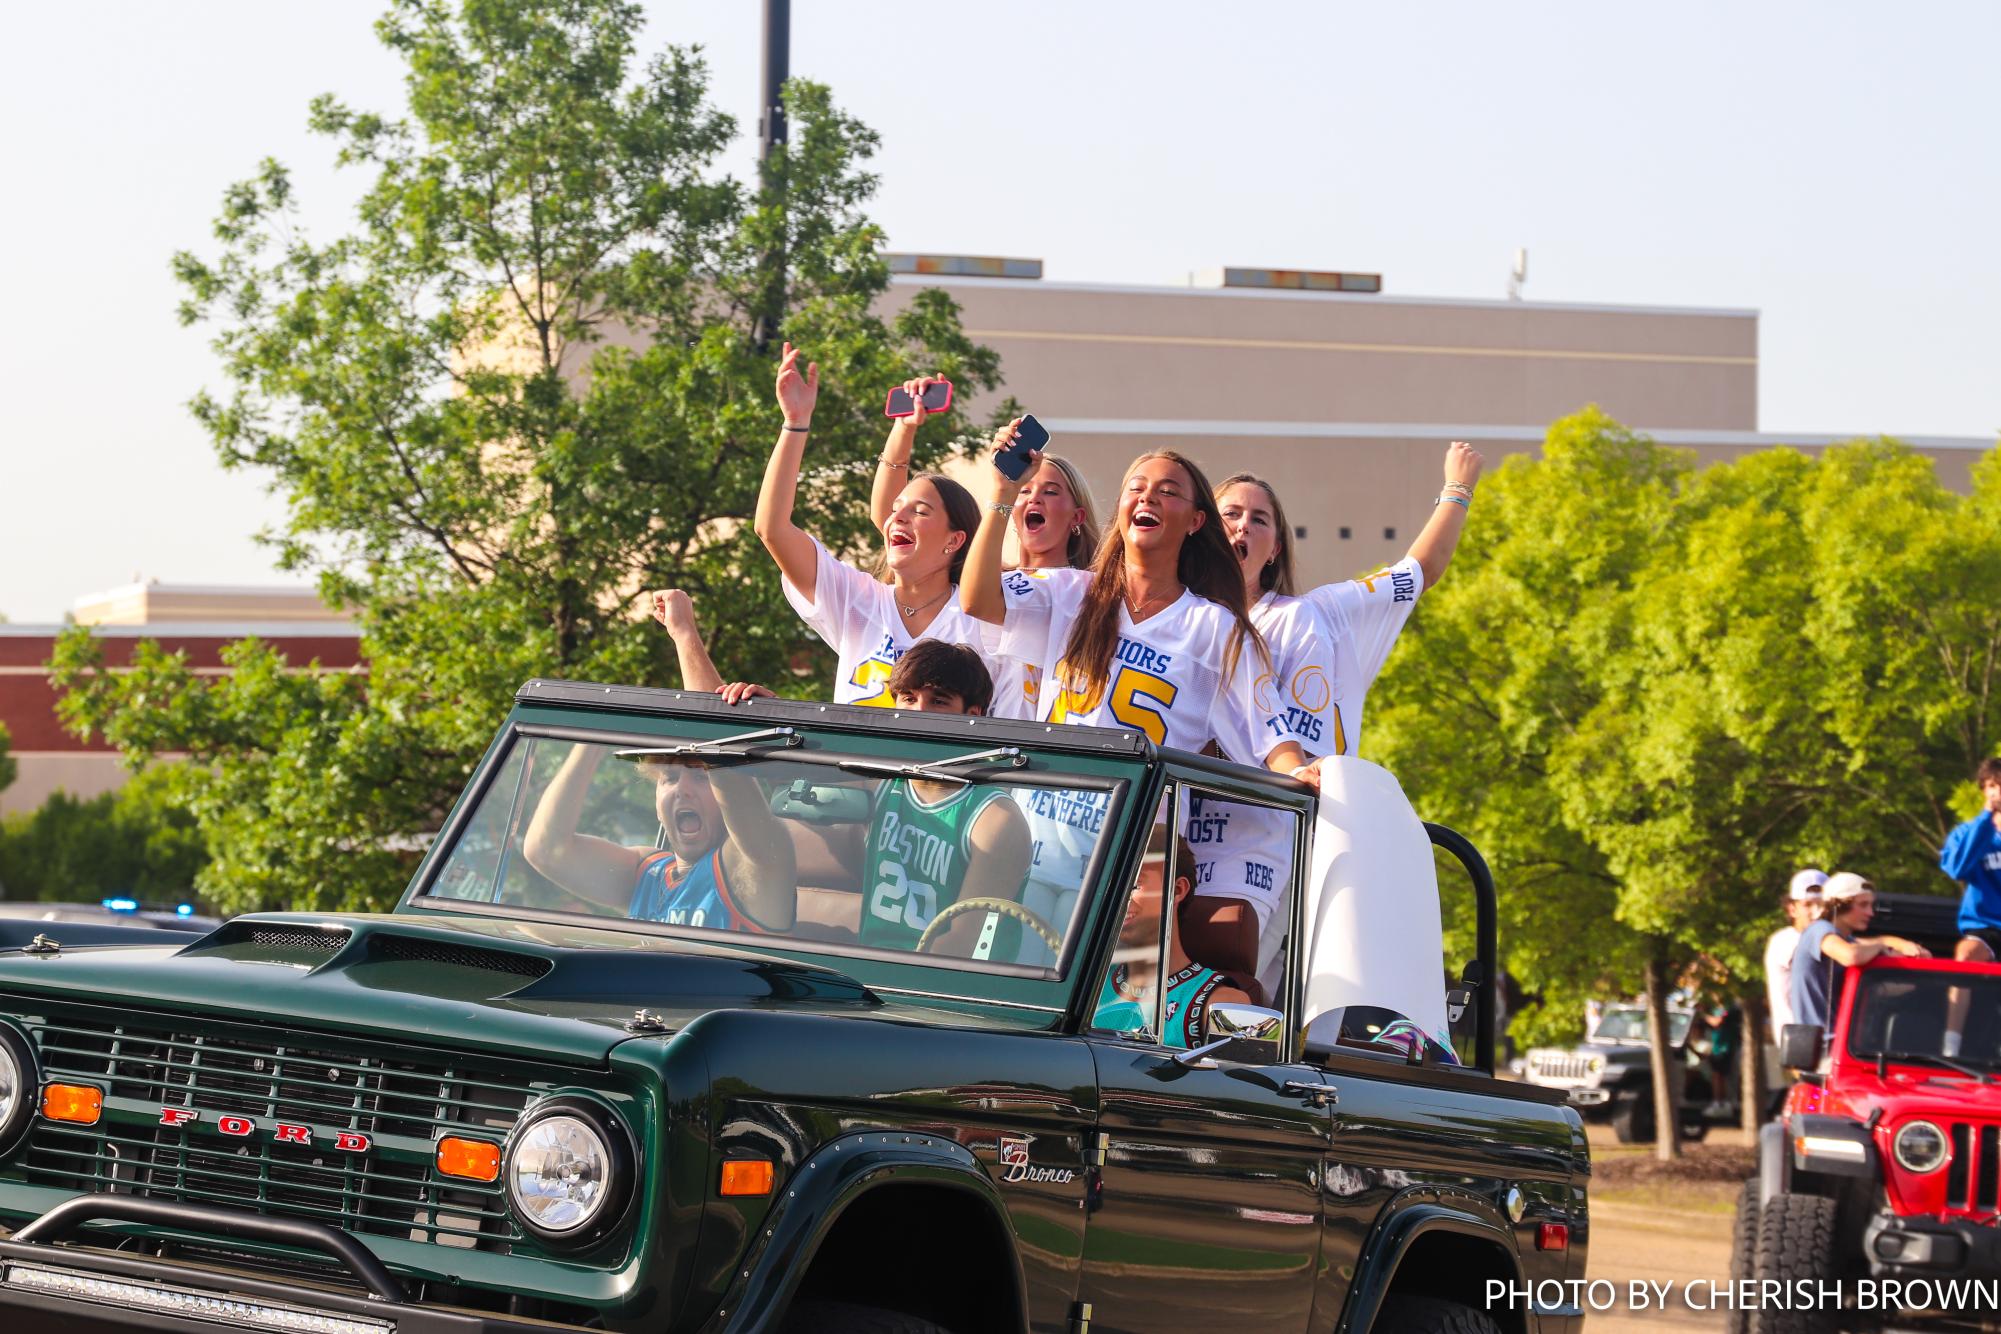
point(1658, 1243)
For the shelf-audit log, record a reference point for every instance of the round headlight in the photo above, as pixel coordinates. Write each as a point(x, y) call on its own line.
point(569, 1171)
point(1596, 1065)
point(1920, 1146)
point(17, 1086)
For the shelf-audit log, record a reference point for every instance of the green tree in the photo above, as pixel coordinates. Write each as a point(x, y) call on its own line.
point(9, 770)
point(136, 841)
point(527, 387)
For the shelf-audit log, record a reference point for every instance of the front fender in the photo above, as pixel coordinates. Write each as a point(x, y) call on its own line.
point(839, 1173)
point(1403, 1221)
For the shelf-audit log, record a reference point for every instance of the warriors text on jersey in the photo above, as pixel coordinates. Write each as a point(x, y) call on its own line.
point(1123, 1010)
point(856, 615)
point(697, 896)
point(1167, 678)
point(916, 860)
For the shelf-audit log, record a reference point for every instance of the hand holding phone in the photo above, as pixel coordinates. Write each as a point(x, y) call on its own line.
point(935, 395)
point(1014, 460)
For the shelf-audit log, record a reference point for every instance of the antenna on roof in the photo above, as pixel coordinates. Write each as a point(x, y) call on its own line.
point(1519, 274)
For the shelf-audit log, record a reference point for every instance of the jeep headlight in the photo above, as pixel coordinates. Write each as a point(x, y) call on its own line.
point(569, 1171)
point(17, 1086)
point(1595, 1066)
point(1920, 1147)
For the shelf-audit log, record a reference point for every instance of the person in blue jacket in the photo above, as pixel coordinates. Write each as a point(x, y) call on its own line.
point(1972, 856)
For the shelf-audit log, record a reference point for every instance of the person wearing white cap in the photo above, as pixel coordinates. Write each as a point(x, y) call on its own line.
point(1801, 903)
point(1829, 948)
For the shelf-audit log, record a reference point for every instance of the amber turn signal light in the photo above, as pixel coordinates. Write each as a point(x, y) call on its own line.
point(473, 1159)
point(747, 1176)
point(77, 1103)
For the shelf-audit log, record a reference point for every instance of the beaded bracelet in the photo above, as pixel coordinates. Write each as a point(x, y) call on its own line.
point(1461, 501)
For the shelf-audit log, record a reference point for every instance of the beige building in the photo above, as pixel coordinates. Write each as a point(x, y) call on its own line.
point(1346, 400)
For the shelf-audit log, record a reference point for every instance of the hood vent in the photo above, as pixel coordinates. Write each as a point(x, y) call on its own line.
point(419, 949)
point(252, 941)
point(292, 937)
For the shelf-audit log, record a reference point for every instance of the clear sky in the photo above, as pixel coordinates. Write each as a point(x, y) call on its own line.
point(1835, 165)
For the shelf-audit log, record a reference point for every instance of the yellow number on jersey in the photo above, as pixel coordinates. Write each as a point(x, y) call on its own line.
point(1137, 700)
point(873, 673)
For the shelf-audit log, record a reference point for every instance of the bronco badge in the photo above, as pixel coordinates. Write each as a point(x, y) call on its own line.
point(1013, 1152)
point(242, 1127)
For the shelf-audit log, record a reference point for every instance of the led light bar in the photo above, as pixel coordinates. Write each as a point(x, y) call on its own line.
point(143, 1296)
point(1852, 1150)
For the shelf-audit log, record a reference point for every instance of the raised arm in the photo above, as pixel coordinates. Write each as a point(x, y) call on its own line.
point(591, 868)
point(1440, 536)
point(788, 543)
point(759, 857)
point(980, 580)
point(676, 610)
point(892, 470)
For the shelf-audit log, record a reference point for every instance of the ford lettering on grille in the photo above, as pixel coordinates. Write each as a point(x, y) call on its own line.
point(243, 1127)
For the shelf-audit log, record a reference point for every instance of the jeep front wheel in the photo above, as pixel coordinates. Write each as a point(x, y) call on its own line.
point(1633, 1117)
point(1430, 1315)
point(1743, 1253)
point(1796, 1245)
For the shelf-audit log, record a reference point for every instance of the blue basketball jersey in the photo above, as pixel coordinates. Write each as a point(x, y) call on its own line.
point(698, 896)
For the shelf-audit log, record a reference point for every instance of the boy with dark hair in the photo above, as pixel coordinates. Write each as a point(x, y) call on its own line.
point(936, 677)
point(1972, 856)
point(1131, 988)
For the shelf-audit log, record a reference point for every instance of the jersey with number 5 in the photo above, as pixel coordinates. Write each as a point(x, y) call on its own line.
point(1169, 679)
point(916, 860)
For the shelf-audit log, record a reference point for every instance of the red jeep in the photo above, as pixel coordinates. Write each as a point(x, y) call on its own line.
point(1887, 1165)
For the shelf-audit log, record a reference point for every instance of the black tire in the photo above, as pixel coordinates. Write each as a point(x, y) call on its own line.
point(1743, 1253)
point(844, 1318)
point(1633, 1118)
point(1796, 1245)
point(1430, 1315)
point(1694, 1132)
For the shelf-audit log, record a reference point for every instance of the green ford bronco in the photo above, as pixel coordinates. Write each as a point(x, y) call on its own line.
point(782, 1016)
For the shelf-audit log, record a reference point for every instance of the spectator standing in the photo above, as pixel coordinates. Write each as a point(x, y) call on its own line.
point(1972, 856)
point(1831, 946)
point(1801, 904)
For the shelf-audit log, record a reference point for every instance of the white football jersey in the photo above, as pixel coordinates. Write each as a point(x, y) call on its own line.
point(1364, 616)
point(1244, 851)
point(1017, 682)
point(1167, 676)
point(856, 614)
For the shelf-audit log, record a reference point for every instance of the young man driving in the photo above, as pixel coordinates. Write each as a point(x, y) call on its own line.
point(1126, 1001)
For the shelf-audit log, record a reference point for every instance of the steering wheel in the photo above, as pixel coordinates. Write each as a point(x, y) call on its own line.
point(1006, 908)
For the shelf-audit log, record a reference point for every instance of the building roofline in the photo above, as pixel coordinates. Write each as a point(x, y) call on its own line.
point(1459, 431)
point(196, 630)
point(237, 590)
point(1281, 294)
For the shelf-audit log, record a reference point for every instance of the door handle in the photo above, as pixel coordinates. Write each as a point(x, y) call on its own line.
point(1320, 1095)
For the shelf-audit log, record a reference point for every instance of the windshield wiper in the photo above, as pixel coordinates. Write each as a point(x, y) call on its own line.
point(780, 736)
point(935, 771)
point(1883, 1058)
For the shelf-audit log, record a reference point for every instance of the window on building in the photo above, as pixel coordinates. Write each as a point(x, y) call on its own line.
point(1389, 534)
point(1299, 532)
point(1346, 534)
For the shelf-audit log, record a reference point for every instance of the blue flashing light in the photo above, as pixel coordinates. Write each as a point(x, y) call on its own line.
point(122, 905)
point(184, 910)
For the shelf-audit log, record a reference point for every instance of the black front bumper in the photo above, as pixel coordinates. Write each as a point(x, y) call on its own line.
point(84, 1289)
point(1931, 1248)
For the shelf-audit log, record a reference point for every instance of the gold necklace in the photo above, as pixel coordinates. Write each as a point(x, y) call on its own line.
point(1139, 612)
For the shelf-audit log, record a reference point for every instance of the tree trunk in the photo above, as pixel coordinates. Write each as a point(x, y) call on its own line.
point(1751, 1088)
point(1665, 1061)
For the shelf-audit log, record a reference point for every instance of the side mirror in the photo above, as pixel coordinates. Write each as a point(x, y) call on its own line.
point(1233, 1031)
point(1799, 1046)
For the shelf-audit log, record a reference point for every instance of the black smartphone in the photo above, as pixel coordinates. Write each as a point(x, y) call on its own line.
point(937, 397)
point(1028, 437)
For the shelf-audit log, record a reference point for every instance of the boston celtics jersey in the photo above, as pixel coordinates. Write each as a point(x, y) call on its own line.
point(1122, 1009)
point(916, 861)
point(855, 613)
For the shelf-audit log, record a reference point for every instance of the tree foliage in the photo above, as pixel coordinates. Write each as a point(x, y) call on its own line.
point(530, 384)
point(136, 841)
point(8, 768)
point(1651, 691)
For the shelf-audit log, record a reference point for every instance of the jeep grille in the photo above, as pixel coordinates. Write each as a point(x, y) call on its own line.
point(401, 1097)
point(1971, 1182)
point(1559, 1065)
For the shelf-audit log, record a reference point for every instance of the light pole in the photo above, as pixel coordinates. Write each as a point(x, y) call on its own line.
point(770, 134)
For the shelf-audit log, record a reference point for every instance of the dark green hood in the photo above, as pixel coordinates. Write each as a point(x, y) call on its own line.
point(551, 991)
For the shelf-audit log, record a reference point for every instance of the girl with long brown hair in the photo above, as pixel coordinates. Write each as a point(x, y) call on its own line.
point(1055, 529)
point(1158, 639)
point(868, 620)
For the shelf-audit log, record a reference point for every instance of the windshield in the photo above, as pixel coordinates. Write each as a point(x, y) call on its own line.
point(1909, 1011)
point(1630, 1025)
point(967, 862)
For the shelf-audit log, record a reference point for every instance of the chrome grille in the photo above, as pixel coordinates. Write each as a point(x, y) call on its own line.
point(1559, 1065)
point(401, 1098)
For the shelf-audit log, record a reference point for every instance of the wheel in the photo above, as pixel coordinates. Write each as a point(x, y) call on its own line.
point(1743, 1253)
point(1694, 1132)
point(844, 1318)
point(1633, 1118)
point(1430, 1315)
point(1796, 1245)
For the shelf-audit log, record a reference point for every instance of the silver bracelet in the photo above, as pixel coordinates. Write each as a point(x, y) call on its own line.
point(1003, 508)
